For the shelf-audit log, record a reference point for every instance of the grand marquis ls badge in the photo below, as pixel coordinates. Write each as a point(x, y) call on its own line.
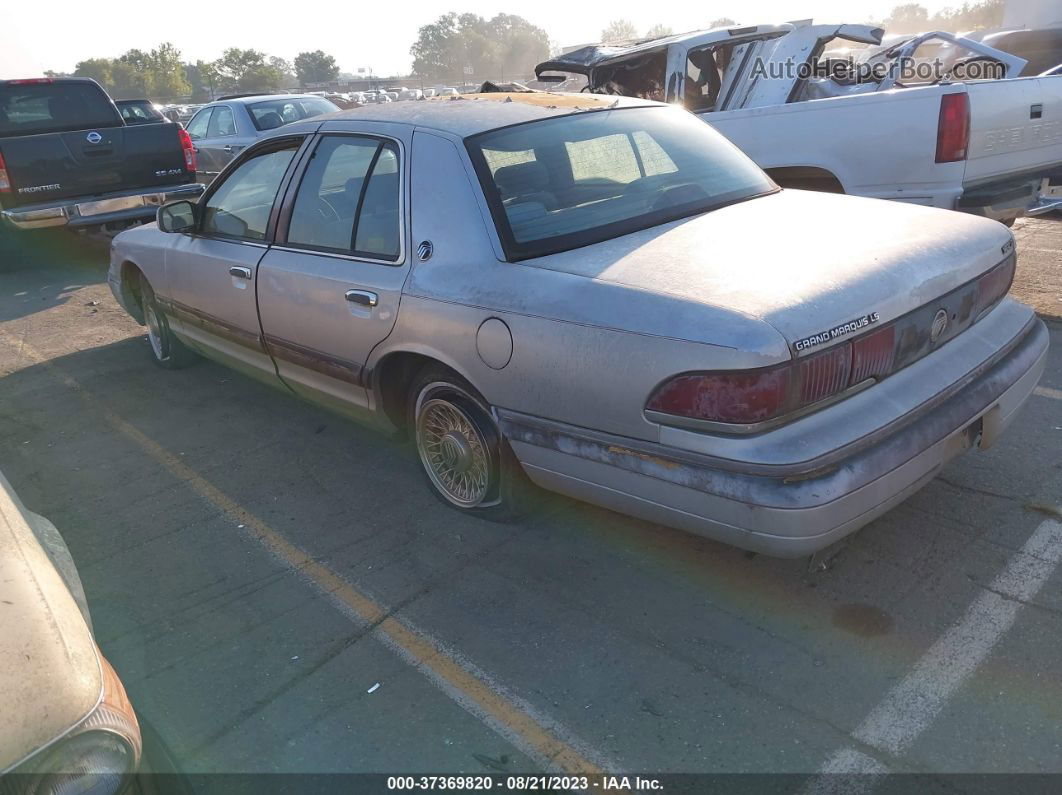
point(836, 331)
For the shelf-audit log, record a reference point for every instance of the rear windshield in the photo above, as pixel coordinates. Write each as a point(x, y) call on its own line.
point(275, 113)
point(31, 108)
point(562, 183)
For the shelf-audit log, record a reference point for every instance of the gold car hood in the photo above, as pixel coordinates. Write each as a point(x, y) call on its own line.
point(49, 670)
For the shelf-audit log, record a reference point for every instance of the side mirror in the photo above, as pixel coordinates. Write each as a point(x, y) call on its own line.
point(178, 216)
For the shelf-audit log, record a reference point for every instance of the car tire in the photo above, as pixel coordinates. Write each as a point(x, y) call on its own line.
point(464, 457)
point(166, 350)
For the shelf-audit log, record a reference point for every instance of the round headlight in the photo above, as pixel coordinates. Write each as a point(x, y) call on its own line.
point(91, 763)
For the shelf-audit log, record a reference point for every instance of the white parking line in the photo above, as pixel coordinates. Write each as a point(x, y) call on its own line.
point(1046, 391)
point(911, 706)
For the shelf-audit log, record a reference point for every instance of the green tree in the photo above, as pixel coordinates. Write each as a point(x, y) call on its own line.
point(658, 30)
point(907, 18)
point(168, 78)
point(285, 69)
point(99, 69)
point(315, 67)
point(619, 30)
point(505, 46)
point(244, 71)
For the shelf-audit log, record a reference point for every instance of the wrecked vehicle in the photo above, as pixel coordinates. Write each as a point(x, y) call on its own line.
point(603, 296)
point(818, 117)
point(68, 725)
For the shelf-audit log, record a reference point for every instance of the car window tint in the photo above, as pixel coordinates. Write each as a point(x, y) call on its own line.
point(654, 159)
point(610, 158)
point(197, 127)
point(221, 123)
point(601, 175)
point(325, 214)
point(240, 207)
point(377, 233)
point(496, 160)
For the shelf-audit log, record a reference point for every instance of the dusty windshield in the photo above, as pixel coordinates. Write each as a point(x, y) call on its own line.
point(580, 179)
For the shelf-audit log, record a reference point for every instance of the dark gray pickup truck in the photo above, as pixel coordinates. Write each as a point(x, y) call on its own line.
point(68, 159)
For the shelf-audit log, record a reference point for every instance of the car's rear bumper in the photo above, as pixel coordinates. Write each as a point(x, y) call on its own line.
point(789, 512)
point(130, 205)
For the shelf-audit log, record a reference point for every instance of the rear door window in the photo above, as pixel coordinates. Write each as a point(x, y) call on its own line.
point(197, 127)
point(34, 108)
point(222, 123)
point(348, 200)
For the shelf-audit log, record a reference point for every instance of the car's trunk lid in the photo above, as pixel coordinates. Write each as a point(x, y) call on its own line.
point(806, 263)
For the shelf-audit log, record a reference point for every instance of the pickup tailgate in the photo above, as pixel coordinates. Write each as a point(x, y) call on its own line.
point(65, 165)
point(1015, 128)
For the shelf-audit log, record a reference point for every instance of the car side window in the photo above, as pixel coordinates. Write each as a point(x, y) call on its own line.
point(348, 201)
point(240, 207)
point(221, 123)
point(197, 126)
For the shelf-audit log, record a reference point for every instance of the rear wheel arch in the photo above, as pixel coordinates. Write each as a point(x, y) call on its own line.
point(393, 377)
point(806, 178)
point(131, 276)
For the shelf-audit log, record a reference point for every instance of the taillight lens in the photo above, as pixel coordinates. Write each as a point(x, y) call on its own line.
point(953, 128)
point(5, 180)
point(738, 397)
point(188, 148)
point(746, 398)
point(994, 285)
point(873, 354)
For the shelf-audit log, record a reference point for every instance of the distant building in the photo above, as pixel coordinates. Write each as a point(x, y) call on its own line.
point(1032, 14)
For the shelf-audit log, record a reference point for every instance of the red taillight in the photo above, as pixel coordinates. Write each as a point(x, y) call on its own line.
point(953, 128)
point(873, 355)
point(737, 397)
point(5, 180)
point(30, 81)
point(994, 285)
point(188, 149)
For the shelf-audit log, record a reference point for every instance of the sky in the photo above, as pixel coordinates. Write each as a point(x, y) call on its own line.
point(373, 36)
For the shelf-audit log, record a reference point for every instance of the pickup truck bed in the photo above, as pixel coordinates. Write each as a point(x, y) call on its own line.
point(68, 159)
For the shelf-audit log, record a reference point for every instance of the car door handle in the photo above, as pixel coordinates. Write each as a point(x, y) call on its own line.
point(195, 149)
point(242, 273)
point(363, 297)
point(228, 149)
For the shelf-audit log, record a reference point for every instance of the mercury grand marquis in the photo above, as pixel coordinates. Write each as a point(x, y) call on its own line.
point(601, 296)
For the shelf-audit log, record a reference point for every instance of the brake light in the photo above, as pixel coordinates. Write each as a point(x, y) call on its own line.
point(873, 354)
point(994, 285)
point(5, 180)
point(736, 397)
point(30, 81)
point(953, 128)
point(188, 149)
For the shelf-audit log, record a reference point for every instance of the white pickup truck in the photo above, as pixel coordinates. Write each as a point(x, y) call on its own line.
point(813, 120)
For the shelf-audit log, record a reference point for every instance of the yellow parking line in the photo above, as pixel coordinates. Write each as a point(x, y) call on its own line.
point(469, 688)
point(1048, 392)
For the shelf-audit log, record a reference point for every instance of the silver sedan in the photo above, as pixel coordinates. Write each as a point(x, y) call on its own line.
point(602, 297)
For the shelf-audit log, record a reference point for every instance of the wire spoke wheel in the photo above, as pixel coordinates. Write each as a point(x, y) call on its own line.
point(151, 319)
point(454, 453)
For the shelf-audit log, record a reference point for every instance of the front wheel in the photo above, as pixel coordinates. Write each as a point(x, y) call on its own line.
point(467, 462)
point(166, 350)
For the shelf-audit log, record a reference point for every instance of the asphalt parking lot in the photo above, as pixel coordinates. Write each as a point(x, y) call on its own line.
point(280, 592)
